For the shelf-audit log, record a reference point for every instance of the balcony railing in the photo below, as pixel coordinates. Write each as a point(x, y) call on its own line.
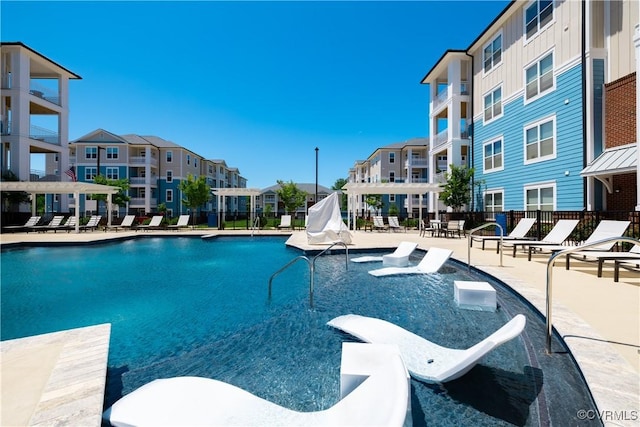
point(441, 138)
point(44, 92)
point(419, 162)
point(42, 134)
point(136, 202)
point(142, 160)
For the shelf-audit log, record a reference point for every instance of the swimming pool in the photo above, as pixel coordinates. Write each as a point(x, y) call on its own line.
point(184, 306)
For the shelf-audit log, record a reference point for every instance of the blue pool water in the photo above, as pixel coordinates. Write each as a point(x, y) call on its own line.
point(186, 306)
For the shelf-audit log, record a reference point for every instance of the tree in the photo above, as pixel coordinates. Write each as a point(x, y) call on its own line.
point(341, 182)
point(457, 189)
point(195, 192)
point(12, 199)
point(291, 196)
point(120, 198)
point(374, 201)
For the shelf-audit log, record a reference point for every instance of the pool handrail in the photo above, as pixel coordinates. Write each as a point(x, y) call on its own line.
point(480, 227)
point(551, 261)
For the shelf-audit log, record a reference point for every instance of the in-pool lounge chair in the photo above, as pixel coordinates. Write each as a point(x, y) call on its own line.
point(425, 360)
point(558, 234)
point(154, 224)
point(602, 256)
point(518, 233)
point(375, 393)
point(430, 263)
point(398, 258)
point(285, 222)
point(183, 222)
point(126, 224)
point(32, 221)
point(606, 229)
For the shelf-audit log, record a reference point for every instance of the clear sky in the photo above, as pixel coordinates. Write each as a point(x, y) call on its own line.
point(258, 84)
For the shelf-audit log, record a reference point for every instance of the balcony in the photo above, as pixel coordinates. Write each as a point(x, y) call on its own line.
point(43, 92)
point(419, 162)
point(136, 202)
point(440, 139)
point(45, 135)
point(142, 160)
point(136, 180)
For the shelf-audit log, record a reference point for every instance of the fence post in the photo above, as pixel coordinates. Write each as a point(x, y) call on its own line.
point(539, 224)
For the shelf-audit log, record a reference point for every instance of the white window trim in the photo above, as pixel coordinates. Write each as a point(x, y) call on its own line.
point(392, 198)
point(166, 195)
point(553, 77)
point(392, 158)
point(493, 191)
point(115, 153)
point(166, 156)
point(86, 152)
point(540, 185)
point(490, 92)
point(493, 66)
point(112, 169)
point(526, 40)
point(491, 141)
point(87, 175)
point(169, 172)
point(555, 140)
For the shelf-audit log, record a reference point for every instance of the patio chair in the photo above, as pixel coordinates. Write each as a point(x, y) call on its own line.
point(285, 222)
point(378, 223)
point(183, 222)
point(632, 265)
point(127, 223)
point(558, 234)
point(452, 227)
point(427, 361)
point(398, 258)
point(394, 224)
point(606, 229)
point(601, 256)
point(154, 224)
point(92, 224)
point(55, 223)
point(430, 263)
point(32, 221)
point(518, 233)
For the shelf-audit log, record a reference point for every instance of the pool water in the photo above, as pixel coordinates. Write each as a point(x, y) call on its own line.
point(186, 306)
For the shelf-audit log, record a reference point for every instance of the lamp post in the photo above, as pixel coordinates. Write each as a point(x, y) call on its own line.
point(316, 196)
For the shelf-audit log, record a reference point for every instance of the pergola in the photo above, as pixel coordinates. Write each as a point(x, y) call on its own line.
point(222, 192)
point(75, 188)
point(357, 189)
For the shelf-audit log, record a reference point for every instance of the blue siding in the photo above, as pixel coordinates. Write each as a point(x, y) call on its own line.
point(569, 145)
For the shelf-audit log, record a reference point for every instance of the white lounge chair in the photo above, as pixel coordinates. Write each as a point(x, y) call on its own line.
point(154, 224)
point(54, 224)
point(425, 360)
point(183, 222)
point(378, 223)
point(127, 223)
point(92, 224)
point(379, 394)
point(606, 229)
point(558, 234)
point(631, 265)
point(285, 222)
point(32, 221)
point(394, 223)
point(430, 263)
point(602, 256)
point(398, 258)
point(518, 233)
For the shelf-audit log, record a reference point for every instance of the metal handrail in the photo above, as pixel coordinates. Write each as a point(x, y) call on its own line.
point(255, 225)
point(293, 261)
point(550, 263)
point(346, 248)
point(489, 224)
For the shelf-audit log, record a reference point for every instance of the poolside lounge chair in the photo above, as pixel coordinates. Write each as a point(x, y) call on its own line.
point(394, 224)
point(377, 394)
point(602, 256)
point(285, 222)
point(378, 223)
point(154, 224)
point(558, 234)
point(55, 223)
point(398, 258)
point(92, 224)
point(183, 222)
point(605, 229)
point(30, 223)
point(430, 263)
point(632, 265)
point(127, 223)
point(518, 233)
point(425, 360)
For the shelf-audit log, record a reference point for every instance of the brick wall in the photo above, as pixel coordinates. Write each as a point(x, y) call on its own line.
point(620, 128)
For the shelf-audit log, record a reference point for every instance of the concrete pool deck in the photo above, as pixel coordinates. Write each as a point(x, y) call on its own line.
point(597, 317)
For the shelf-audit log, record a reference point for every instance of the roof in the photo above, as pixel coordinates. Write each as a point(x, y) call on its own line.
point(614, 161)
point(58, 187)
point(70, 74)
point(391, 188)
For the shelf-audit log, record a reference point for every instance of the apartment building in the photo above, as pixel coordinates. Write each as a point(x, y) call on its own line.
point(536, 101)
point(269, 200)
point(402, 162)
point(34, 113)
point(154, 167)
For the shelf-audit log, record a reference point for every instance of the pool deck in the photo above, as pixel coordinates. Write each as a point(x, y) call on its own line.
point(598, 319)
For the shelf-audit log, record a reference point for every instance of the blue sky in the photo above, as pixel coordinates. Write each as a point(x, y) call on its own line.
point(258, 84)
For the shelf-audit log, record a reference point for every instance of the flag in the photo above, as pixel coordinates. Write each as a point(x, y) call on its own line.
point(72, 173)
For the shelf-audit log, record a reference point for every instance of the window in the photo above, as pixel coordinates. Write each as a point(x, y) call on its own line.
point(493, 105)
point(493, 201)
point(169, 197)
point(112, 152)
point(392, 158)
point(540, 197)
point(169, 176)
point(195, 162)
point(540, 141)
point(537, 16)
point(492, 153)
point(90, 173)
point(392, 198)
point(539, 78)
point(169, 156)
point(112, 173)
point(90, 152)
point(392, 176)
point(188, 159)
point(170, 213)
point(55, 157)
point(492, 54)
